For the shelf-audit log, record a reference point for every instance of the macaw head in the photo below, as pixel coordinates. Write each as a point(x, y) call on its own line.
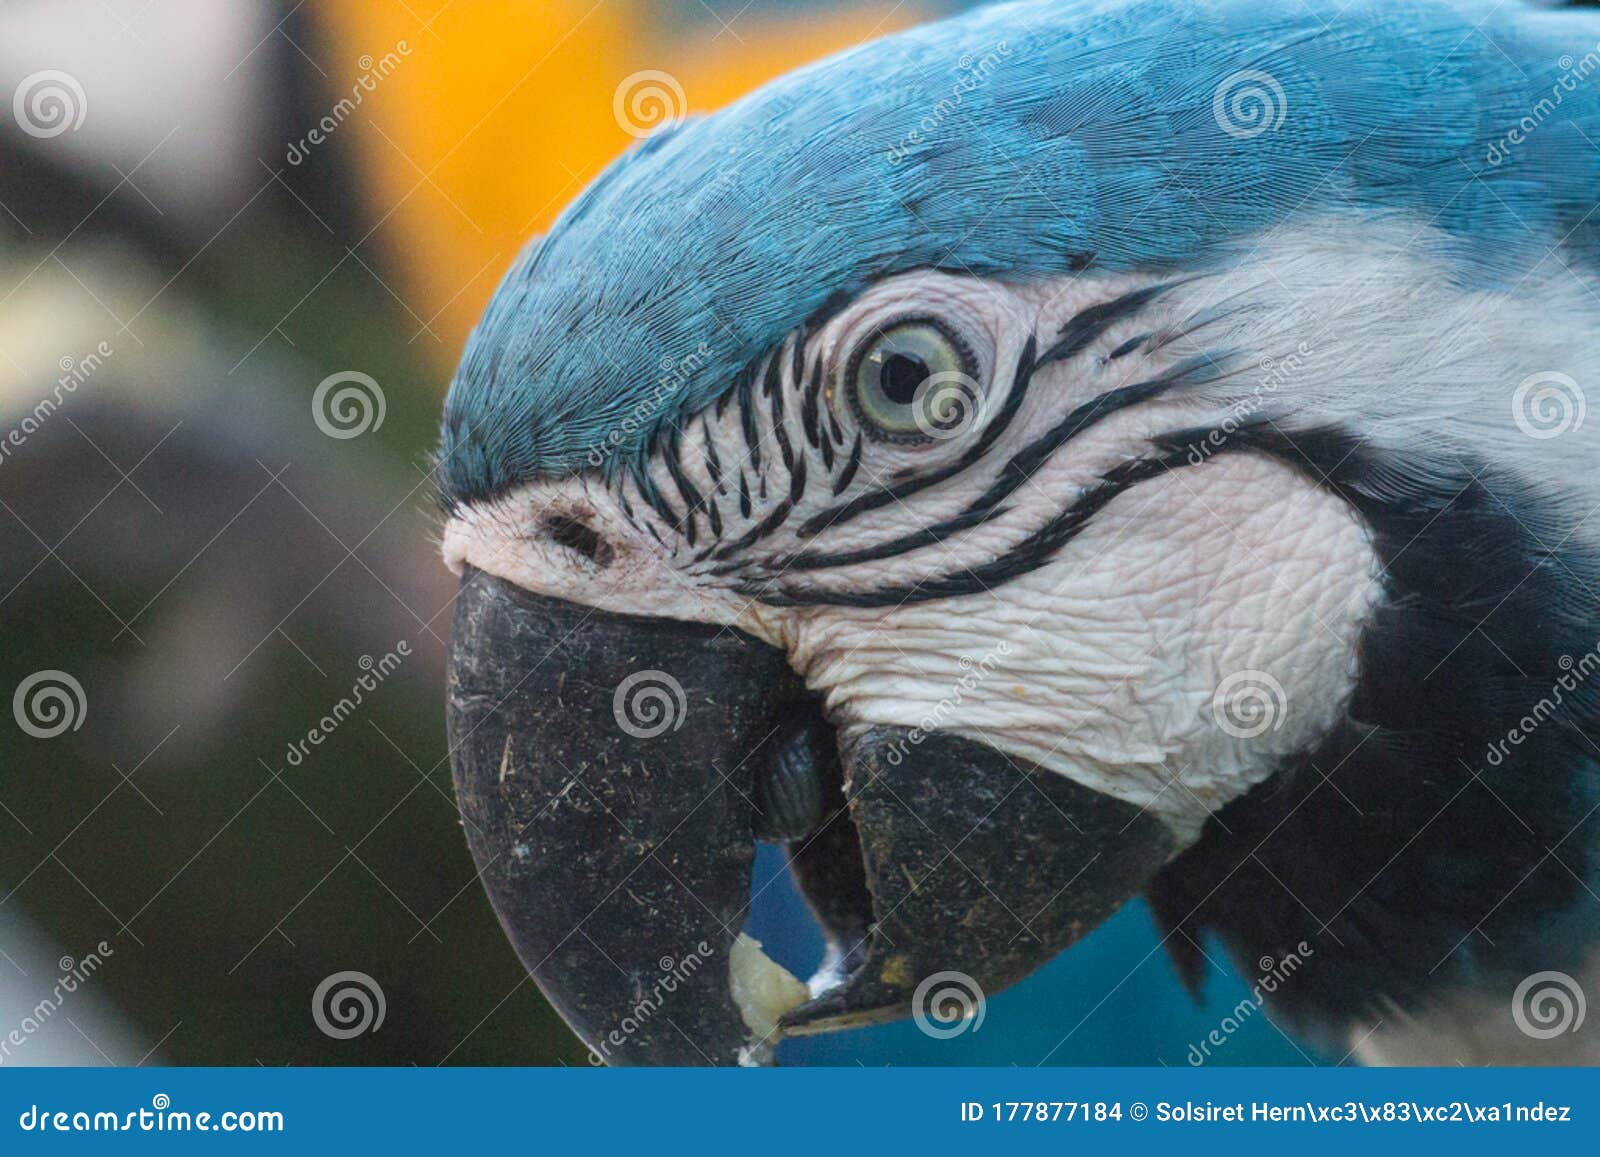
point(988, 461)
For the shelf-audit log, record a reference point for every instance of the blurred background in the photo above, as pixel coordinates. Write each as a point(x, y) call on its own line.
point(241, 245)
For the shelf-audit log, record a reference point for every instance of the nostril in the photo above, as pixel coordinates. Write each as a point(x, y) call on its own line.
point(579, 537)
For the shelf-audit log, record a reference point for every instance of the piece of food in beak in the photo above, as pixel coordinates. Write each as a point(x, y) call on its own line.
point(976, 863)
point(613, 772)
point(763, 989)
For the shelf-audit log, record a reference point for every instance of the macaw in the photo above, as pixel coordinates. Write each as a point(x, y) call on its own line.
point(1068, 452)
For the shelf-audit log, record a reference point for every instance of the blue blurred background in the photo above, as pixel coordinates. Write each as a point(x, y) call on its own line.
point(207, 212)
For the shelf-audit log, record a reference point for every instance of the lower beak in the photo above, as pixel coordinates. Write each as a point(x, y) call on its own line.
point(609, 771)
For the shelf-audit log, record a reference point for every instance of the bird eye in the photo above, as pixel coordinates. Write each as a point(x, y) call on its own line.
point(913, 381)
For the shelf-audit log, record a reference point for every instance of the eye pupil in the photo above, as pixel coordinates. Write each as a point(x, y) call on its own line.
point(900, 378)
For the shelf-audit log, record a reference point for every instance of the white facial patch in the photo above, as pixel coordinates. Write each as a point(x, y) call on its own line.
point(1090, 572)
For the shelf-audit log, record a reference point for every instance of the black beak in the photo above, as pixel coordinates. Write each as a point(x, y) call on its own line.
point(613, 773)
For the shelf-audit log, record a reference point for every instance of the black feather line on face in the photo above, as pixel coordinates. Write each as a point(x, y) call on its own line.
point(639, 472)
point(713, 464)
point(1023, 464)
point(847, 475)
point(927, 536)
point(747, 417)
point(1031, 553)
point(1088, 325)
point(809, 415)
point(1075, 336)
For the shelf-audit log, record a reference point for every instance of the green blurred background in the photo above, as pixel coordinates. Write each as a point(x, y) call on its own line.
point(182, 265)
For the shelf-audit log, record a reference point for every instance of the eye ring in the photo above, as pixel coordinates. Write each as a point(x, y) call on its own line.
point(912, 381)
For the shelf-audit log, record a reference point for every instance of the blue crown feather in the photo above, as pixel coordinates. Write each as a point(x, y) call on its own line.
point(1018, 141)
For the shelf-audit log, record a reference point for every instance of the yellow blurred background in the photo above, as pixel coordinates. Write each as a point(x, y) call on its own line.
point(478, 141)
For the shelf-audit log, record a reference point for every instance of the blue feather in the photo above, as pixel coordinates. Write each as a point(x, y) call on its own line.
point(1018, 141)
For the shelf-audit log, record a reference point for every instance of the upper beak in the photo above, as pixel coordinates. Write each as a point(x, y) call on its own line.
point(615, 834)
